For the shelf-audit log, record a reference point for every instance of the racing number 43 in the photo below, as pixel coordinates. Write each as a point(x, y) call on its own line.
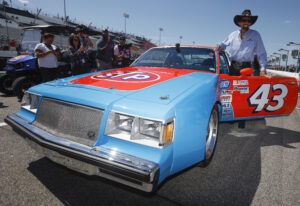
point(259, 99)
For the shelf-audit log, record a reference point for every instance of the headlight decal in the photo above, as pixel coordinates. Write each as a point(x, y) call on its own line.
point(153, 133)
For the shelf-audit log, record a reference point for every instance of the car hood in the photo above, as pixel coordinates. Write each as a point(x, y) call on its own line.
point(158, 85)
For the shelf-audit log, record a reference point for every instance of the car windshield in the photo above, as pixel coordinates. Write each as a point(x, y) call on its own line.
point(201, 59)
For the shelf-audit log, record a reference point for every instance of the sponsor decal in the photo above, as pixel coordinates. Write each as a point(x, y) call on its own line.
point(227, 114)
point(240, 82)
point(242, 90)
point(127, 76)
point(225, 92)
point(226, 105)
point(226, 98)
point(224, 84)
point(226, 110)
point(18, 57)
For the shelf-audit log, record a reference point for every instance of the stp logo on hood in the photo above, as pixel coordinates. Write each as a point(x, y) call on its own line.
point(131, 78)
point(127, 76)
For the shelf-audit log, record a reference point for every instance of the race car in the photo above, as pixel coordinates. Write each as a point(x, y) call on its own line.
point(141, 124)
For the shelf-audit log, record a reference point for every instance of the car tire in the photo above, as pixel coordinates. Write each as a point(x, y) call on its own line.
point(211, 137)
point(21, 84)
point(6, 82)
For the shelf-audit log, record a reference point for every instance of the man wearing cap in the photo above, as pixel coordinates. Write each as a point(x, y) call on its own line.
point(104, 51)
point(244, 44)
point(47, 55)
point(122, 53)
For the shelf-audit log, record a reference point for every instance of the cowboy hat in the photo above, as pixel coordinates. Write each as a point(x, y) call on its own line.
point(246, 13)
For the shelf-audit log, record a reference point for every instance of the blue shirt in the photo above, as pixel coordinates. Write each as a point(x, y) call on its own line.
point(105, 55)
point(243, 50)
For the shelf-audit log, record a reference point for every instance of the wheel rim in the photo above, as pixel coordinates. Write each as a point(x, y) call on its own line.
point(211, 136)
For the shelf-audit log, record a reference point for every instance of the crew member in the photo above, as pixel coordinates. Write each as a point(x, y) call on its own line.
point(47, 55)
point(104, 51)
point(122, 53)
point(244, 44)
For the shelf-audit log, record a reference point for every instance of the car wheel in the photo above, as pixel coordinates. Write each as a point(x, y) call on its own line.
point(211, 137)
point(6, 82)
point(21, 84)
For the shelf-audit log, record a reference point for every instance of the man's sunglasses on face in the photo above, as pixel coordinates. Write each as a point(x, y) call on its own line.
point(245, 20)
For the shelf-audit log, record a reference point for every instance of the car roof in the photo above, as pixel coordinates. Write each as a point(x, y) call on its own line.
point(186, 46)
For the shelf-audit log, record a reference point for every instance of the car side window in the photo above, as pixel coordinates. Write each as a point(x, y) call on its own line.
point(224, 67)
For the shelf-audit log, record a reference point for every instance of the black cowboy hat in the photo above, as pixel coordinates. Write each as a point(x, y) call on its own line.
point(246, 13)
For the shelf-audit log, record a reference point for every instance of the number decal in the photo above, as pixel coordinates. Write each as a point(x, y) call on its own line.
point(278, 98)
point(259, 99)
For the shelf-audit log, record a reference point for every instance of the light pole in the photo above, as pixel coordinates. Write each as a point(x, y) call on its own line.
point(287, 57)
point(126, 16)
point(160, 30)
point(279, 58)
point(295, 44)
point(180, 38)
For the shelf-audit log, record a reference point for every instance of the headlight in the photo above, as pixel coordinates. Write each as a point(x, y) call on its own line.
point(140, 130)
point(30, 101)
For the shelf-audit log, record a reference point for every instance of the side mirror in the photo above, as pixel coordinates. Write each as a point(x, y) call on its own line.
point(246, 72)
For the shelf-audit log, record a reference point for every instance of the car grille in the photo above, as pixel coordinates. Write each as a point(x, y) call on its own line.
point(69, 121)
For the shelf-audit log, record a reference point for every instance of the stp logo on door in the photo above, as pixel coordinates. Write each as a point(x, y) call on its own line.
point(131, 78)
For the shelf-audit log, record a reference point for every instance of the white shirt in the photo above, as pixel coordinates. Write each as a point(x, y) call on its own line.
point(48, 61)
point(243, 50)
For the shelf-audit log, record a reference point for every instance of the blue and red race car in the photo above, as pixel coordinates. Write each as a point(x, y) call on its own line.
point(140, 124)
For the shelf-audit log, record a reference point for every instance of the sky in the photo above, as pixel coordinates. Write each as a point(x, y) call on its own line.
point(205, 22)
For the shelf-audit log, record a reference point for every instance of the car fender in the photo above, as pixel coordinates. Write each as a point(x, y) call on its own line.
point(192, 116)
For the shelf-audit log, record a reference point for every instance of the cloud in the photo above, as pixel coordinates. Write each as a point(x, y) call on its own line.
point(287, 22)
point(24, 1)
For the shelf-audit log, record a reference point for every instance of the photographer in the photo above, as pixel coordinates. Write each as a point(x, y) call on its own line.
point(47, 55)
point(77, 56)
point(85, 41)
point(122, 53)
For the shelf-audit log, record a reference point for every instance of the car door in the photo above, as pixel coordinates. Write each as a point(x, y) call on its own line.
point(250, 97)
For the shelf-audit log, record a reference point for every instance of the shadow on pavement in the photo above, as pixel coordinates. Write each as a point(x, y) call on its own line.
point(232, 177)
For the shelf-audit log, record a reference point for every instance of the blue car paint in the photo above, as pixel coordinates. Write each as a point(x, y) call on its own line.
point(185, 103)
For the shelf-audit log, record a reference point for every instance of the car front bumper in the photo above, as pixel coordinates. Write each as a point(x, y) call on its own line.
point(110, 164)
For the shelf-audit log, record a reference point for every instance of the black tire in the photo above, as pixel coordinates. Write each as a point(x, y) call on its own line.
point(6, 82)
point(21, 84)
point(211, 137)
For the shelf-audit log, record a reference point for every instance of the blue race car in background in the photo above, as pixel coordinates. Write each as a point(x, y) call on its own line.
point(140, 124)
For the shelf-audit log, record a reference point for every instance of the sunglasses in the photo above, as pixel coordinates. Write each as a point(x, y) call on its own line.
point(246, 20)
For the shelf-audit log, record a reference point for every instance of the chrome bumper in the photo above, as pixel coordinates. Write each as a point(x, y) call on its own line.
point(123, 168)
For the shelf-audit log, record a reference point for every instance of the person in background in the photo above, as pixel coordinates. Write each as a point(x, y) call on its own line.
point(47, 55)
point(85, 41)
point(104, 51)
point(244, 44)
point(78, 56)
point(122, 53)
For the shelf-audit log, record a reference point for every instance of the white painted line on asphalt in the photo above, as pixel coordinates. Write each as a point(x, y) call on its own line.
point(2, 124)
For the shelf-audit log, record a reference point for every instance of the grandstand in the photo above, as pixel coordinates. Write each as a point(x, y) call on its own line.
point(13, 20)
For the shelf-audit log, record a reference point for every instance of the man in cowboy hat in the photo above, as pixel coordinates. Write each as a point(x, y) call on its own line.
point(244, 44)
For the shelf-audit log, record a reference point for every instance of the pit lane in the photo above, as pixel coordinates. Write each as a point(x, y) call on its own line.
point(250, 167)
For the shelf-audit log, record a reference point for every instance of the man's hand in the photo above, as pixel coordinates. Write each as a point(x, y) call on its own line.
point(218, 48)
point(263, 73)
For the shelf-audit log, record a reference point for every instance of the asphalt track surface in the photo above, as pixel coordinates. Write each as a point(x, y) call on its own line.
point(250, 167)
